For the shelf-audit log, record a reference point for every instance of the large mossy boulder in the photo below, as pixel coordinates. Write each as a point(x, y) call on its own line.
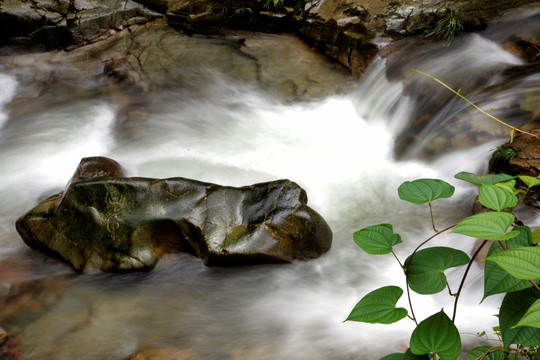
point(104, 221)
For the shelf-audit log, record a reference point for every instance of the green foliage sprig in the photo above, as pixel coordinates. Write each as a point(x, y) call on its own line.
point(243, 10)
point(504, 154)
point(512, 268)
point(447, 27)
point(217, 7)
point(274, 4)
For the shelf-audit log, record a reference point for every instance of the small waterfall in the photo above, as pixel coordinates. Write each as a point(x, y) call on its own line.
point(486, 69)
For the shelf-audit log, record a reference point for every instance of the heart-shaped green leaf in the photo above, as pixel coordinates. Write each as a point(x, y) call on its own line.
point(408, 355)
point(486, 352)
point(394, 356)
point(436, 334)
point(490, 179)
point(509, 186)
point(425, 270)
point(521, 263)
point(496, 198)
point(513, 308)
point(536, 236)
point(529, 180)
point(422, 191)
point(496, 279)
point(532, 316)
point(489, 226)
point(379, 306)
point(377, 239)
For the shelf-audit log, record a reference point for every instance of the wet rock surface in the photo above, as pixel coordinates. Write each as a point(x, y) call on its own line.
point(30, 285)
point(345, 31)
point(10, 344)
point(144, 59)
point(55, 24)
point(118, 224)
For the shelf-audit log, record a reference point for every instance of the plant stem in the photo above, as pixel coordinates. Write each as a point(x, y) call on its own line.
point(405, 268)
point(449, 290)
point(535, 285)
point(400, 264)
point(426, 241)
point(410, 300)
point(513, 129)
point(490, 350)
point(465, 276)
point(432, 220)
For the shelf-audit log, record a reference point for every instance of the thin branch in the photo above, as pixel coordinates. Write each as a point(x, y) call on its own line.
point(535, 285)
point(465, 276)
point(431, 214)
point(400, 264)
point(513, 128)
point(489, 351)
point(426, 241)
point(449, 290)
point(410, 300)
point(405, 268)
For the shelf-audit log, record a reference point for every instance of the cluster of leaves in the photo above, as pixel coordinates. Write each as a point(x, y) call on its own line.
point(502, 155)
point(447, 26)
point(219, 7)
point(273, 4)
point(512, 268)
point(244, 10)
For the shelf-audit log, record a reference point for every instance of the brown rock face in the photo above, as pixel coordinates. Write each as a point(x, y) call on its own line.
point(123, 224)
point(57, 24)
point(97, 167)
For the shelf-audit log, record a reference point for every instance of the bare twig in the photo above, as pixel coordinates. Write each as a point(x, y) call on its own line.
point(513, 128)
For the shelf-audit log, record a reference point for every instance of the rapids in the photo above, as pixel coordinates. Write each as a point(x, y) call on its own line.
point(341, 149)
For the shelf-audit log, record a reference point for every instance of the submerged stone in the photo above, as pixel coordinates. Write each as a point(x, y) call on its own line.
point(104, 221)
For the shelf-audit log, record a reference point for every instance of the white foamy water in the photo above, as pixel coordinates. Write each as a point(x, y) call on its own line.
point(7, 92)
point(40, 152)
point(339, 149)
point(269, 312)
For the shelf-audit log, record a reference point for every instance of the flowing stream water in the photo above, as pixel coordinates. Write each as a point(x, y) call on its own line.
point(341, 149)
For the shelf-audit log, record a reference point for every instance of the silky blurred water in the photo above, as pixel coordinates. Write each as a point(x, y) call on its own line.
point(340, 149)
